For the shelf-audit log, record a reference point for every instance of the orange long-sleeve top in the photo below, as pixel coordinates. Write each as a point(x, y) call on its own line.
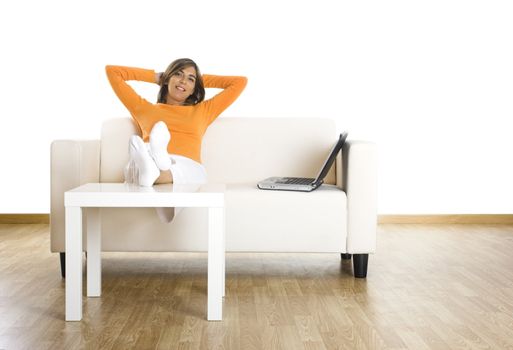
point(187, 124)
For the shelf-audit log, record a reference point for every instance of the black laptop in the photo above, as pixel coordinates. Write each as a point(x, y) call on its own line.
point(301, 183)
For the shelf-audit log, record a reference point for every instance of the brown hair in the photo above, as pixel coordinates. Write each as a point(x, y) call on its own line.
point(199, 89)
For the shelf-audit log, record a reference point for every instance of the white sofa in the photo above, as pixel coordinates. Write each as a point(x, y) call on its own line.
point(339, 217)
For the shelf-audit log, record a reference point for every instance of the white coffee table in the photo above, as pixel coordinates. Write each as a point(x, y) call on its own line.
point(98, 195)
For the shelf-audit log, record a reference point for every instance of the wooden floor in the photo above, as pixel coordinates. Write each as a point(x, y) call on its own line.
point(428, 287)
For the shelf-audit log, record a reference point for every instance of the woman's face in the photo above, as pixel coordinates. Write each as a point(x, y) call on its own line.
point(181, 85)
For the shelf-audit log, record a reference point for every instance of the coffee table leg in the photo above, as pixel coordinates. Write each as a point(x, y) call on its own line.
point(73, 226)
point(94, 260)
point(215, 263)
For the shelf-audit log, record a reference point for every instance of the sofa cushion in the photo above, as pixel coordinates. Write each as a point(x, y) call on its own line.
point(285, 221)
point(239, 150)
point(256, 221)
point(247, 150)
point(114, 148)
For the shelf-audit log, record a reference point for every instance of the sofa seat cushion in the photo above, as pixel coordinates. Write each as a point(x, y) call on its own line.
point(285, 221)
point(256, 221)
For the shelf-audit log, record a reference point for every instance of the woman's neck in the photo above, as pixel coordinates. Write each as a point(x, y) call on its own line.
point(173, 102)
point(170, 101)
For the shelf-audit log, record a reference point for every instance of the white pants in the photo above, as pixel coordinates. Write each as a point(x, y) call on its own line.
point(185, 171)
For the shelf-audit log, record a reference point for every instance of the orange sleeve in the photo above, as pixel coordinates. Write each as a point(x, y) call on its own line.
point(118, 76)
point(232, 87)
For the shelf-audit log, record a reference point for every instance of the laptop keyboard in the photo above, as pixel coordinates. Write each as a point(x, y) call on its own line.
point(297, 181)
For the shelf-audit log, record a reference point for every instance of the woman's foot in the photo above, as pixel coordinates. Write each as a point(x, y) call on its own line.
point(148, 171)
point(166, 215)
point(159, 139)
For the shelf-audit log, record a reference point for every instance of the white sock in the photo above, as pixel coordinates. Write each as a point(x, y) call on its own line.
point(146, 167)
point(159, 139)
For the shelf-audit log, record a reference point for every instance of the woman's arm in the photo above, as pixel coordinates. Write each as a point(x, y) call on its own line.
point(232, 87)
point(119, 75)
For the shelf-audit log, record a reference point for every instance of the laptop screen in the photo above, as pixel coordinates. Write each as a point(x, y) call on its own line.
point(331, 158)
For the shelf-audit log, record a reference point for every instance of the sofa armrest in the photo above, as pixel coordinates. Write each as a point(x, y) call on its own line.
point(72, 163)
point(358, 179)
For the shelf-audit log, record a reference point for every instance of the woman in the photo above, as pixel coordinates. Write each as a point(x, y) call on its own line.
point(172, 129)
point(184, 114)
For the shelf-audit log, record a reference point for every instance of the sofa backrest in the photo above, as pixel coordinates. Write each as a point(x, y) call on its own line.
point(239, 150)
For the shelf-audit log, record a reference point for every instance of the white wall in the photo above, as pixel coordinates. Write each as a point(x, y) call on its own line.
point(430, 81)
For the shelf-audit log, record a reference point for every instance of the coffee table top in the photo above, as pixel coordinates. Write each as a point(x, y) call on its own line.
point(129, 195)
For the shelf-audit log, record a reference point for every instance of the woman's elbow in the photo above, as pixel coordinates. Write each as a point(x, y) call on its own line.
point(243, 81)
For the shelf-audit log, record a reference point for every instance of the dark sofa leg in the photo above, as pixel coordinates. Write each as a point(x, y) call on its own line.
point(345, 256)
point(63, 264)
point(360, 265)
